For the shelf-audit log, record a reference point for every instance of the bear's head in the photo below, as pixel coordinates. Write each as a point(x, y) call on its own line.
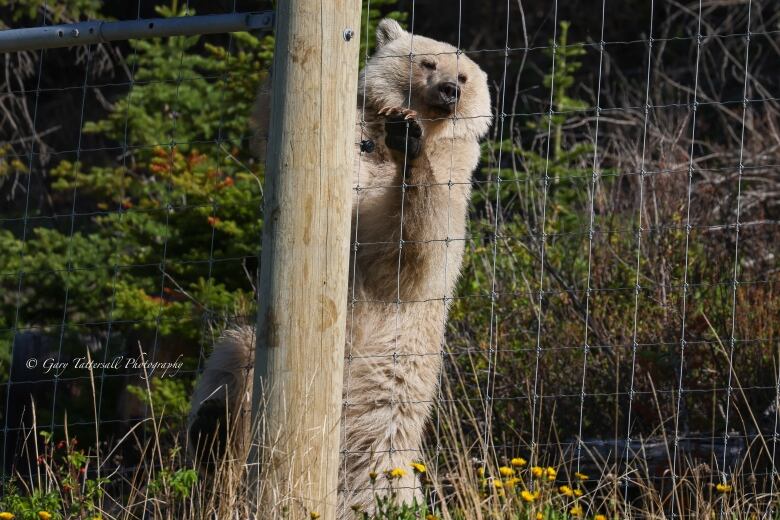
point(433, 78)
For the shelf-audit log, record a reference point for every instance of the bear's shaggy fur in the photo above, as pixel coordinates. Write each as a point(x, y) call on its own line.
point(424, 106)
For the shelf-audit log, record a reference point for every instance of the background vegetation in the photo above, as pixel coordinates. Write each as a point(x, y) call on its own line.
point(602, 249)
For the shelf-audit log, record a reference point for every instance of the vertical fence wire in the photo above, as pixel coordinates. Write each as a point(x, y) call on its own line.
point(167, 206)
point(448, 292)
point(397, 352)
point(688, 227)
point(774, 474)
point(353, 300)
point(206, 315)
point(69, 259)
point(116, 269)
point(735, 279)
point(542, 240)
point(493, 332)
point(627, 475)
point(20, 274)
point(595, 173)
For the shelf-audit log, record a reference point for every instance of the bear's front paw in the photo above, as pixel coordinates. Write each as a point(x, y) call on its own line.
point(403, 132)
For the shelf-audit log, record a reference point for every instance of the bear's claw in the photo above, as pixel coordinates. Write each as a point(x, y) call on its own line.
point(389, 111)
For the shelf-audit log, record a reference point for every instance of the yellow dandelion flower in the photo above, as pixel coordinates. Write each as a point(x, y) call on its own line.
point(417, 467)
point(518, 462)
point(600, 517)
point(537, 495)
point(512, 482)
point(314, 515)
point(575, 511)
point(724, 488)
point(566, 490)
point(578, 493)
point(506, 471)
point(527, 496)
point(551, 472)
point(537, 471)
point(44, 515)
point(481, 471)
point(539, 516)
point(498, 484)
point(5, 515)
point(581, 476)
point(396, 473)
point(431, 517)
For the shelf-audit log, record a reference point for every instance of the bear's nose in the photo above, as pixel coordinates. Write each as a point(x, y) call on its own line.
point(448, 91)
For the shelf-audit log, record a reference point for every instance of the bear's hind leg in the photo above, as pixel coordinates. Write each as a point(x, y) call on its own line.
point(208, 433)
point(218, 422)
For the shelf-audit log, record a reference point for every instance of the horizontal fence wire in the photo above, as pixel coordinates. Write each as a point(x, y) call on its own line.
point(614, 312)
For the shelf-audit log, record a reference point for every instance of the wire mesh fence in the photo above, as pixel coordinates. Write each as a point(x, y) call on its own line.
point(593, 288)
point(144, 114)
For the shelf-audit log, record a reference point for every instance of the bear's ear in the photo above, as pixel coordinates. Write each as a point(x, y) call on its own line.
point(387, 31)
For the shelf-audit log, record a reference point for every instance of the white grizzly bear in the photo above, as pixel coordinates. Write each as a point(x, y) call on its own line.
point(426, 108)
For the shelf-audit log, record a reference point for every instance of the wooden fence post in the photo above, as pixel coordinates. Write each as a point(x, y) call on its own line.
point(304, 264)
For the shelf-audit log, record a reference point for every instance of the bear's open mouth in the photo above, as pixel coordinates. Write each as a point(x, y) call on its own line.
point(443, 109)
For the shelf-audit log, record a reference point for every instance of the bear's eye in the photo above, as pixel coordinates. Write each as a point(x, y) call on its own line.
point(428, 64)
point(462, 78)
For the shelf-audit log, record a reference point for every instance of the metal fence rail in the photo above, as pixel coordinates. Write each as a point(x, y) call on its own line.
point(98, 31)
